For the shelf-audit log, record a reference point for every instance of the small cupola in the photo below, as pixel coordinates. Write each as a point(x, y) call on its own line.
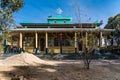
point(59, 19)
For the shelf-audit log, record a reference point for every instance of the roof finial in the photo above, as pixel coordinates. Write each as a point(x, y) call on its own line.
point(59, 11)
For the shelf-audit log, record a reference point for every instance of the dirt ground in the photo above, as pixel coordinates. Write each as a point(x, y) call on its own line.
point(64, 70)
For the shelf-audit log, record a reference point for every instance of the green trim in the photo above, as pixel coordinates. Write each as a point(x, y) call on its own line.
point(20, 50)
point(46, 50)
point(36, 50)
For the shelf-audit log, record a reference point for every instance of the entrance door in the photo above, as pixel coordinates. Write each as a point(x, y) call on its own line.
point(42, 44)
point(80, 46)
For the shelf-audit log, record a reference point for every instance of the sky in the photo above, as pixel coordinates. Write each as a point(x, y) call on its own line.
point(37, 11)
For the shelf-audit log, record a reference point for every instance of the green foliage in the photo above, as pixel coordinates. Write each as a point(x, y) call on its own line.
point(13, 5)
point(7, 8)
point(116, 36)
point(92, 40)
point(113, 22)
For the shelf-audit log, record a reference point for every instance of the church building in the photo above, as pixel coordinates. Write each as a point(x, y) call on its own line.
point(58, 35)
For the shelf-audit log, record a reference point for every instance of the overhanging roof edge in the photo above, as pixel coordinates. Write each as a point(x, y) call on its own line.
point(60, 29)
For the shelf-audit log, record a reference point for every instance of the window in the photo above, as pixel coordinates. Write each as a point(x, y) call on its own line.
point(50, 41)
point(64, 22)
point(67, 43)
point(56, 42)
point(55, 22)
point(29, 41)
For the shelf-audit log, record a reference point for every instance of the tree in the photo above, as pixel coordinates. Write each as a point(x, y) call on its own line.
point(116, 35)
point(7, 8)
point(114, 23)
point(87, 51)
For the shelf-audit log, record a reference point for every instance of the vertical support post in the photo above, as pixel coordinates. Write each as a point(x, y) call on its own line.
point(105, 41)
point(46, 42)
point(21, 49)
point(36, 43)
point(86, 39)
point(60, 43)
point(100, 43)
point(75, 42)
point(11, 50)
point(5, 47)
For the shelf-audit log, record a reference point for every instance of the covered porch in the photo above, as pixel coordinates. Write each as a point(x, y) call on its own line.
point(52, 40)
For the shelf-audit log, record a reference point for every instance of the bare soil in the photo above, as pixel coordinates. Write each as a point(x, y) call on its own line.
point(62, 70)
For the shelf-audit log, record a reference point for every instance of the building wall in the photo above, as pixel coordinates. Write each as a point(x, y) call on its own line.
point(59, 21)
point(67, 47)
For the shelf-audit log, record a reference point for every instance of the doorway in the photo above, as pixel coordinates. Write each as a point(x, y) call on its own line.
point(80, 46)
point(42, 44)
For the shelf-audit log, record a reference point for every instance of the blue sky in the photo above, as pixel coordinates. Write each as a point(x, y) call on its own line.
point(37, 11)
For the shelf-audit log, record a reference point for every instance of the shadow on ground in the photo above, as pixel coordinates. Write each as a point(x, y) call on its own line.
point(65, 72)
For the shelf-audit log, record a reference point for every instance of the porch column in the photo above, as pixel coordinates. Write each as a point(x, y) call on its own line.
point(20, 43)
point(105, 41)
point(36, 42)
point(61, 43)
point(46, 42)
point(86, 39)
point(75, 42)
point(11, 44)
point(100, 41)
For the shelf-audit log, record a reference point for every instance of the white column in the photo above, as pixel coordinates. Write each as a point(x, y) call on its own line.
point(46, 39)
point(75, 39)
point(46, 42)
point(100, 43)
point(20, 40)
point(105, 41)
point(36, 40)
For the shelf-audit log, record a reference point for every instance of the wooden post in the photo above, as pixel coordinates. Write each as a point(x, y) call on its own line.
point(105, 41)
point(86, 39)
point(100, 41)
point(21, 43)
point(46, 42)
point(11, 42)
point(75, 42)
point(61, 43)
point(36, 42)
